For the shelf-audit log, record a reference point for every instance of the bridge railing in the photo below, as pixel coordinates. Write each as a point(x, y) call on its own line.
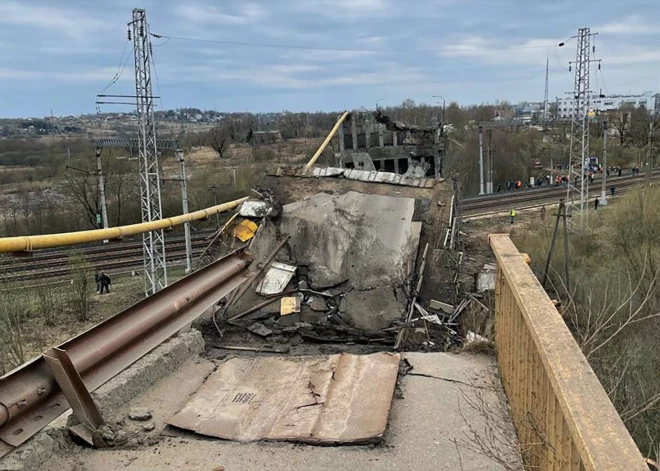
point(562, 415)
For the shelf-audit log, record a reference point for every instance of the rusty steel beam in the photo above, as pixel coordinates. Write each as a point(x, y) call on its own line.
point(30, 397)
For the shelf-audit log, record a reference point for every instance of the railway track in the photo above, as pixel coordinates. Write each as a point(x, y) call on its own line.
point(539, 196)
point(54, 264)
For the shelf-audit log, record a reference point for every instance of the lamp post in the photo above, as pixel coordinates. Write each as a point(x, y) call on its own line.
point(380, 99)
point(443, 107)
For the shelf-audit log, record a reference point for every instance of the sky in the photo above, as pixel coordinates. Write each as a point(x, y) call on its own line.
point(58, 55)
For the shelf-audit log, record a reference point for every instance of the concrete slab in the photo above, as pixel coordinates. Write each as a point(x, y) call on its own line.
point(363, 238)
point(427, 428)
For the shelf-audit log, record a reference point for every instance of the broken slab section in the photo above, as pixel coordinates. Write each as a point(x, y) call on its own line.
point(329, 399)
point(366, 239)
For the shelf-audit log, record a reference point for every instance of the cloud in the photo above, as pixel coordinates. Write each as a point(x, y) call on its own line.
point(72, 23)
point(343, 9)
point(99, 74)
point(248, 13)
point(632, 25)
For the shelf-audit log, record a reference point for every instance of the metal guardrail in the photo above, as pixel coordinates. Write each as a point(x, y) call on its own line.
point(562, 414)
point(31, 396)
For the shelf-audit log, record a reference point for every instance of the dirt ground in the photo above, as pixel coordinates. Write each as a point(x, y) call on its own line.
point(443, 409)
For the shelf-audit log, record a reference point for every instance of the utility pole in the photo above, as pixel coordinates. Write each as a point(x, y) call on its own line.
point(481, 160)
point(153, 243)
point(546, 108)
point(577, 191)
point(489, 185)
point(184, 200)
point(649, 166)
point(101, 183)
point(603, 185)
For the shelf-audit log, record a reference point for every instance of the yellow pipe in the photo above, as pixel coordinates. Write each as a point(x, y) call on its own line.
point(327, 140)
point(27, 243)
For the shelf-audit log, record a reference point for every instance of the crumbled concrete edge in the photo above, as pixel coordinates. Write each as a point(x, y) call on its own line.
point(117, 392)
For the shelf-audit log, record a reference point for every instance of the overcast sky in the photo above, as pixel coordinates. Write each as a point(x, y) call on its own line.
point(57, 55)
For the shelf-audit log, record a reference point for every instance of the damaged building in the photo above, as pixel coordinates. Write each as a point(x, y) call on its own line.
point(375, 142)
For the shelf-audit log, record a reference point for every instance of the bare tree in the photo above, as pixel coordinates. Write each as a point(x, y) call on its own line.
point(219, 139)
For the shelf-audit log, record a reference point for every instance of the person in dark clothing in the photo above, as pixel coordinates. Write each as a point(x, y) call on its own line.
point(612, 190)
point(499, 187)
point(104, 282)
point(596, 201)
point(619, 171)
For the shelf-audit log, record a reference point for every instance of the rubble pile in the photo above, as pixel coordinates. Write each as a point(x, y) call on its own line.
point(337, 268)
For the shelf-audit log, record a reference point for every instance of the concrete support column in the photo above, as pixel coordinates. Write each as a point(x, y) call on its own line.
point(395, 138)
point(367, 134)
point(354, 130)
point(396, 162)
point(381, 140)
point(342, 144)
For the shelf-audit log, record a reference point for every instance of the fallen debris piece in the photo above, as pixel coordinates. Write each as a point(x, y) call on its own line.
point(148, 427)
point(260, 329)
point(245, 230)
point(486, 278)
point(276, 279)
point(471, 337)
point(139, 414)
point(255, 209)
point(433, 318)
point(318, 304)
point(246, 399)
point(289, 305)
point(440, 306)
point(262, 349)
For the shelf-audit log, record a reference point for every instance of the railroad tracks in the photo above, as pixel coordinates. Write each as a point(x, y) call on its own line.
point(114, 256)
point(525, 199)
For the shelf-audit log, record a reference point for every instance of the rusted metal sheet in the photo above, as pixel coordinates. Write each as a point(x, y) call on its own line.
point(30, 397)
point(276, 279)
point(331, 399)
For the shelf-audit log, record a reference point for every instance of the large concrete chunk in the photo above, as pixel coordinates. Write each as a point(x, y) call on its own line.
point(367, 239)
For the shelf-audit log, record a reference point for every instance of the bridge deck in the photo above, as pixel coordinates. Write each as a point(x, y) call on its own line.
point(446, 399)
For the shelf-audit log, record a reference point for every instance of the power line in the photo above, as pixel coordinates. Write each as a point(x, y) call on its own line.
point(335, 49)
point(120, 69)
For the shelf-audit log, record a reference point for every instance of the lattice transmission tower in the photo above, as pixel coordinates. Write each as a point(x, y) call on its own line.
point(153, 243)
point(578, 185)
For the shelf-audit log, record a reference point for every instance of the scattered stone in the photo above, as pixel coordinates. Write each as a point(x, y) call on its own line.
point(318, 304)
point(289, 320)
point(260, 329)
point(139, 414)
point(106, 433)
point(148, 427)
point(302, 284)
point(343, 305)
point(219, 468)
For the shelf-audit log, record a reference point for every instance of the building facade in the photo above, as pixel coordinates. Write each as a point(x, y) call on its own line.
point(650, 100)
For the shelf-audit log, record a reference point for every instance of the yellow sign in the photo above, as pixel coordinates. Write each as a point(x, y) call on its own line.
point(245, 230)
point(289, 305)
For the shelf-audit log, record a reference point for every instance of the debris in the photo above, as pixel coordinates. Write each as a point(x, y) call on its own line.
point(289, 305)
point(219, 468)
point(322, 277)
point(139, 414)
point(260, 329)
point(486, 278)
point(255, 308)
point(471, 337)
point(420, 278)
point(245, 230)
point(255, 209)
point(148, 427)
point(318, 304)
point(241, 291)
point(255, 404)
point(440, 306)
point(276, 279)
point(302, 284)
point(373, 309)
point(262, 349)
point(433, 318)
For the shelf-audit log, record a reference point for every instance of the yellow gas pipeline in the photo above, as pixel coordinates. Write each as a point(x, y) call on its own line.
point(315, 157)
point(27, 243)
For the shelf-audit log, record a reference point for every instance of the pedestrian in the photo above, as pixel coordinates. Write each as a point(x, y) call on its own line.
point(612, 190)
point(512, 215)
point(608, 171)
point(596, 201)
point(499, 187)
point(542, 213)
point(98, 282)
point(619, 171)
point(104, 282)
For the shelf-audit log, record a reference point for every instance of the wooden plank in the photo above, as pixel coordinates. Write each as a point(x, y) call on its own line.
point(600, 437)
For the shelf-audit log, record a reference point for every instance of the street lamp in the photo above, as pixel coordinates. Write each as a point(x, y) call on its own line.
point(443, 107)
point(378, 101)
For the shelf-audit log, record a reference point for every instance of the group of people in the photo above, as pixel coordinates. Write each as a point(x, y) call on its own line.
point(103, 282)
